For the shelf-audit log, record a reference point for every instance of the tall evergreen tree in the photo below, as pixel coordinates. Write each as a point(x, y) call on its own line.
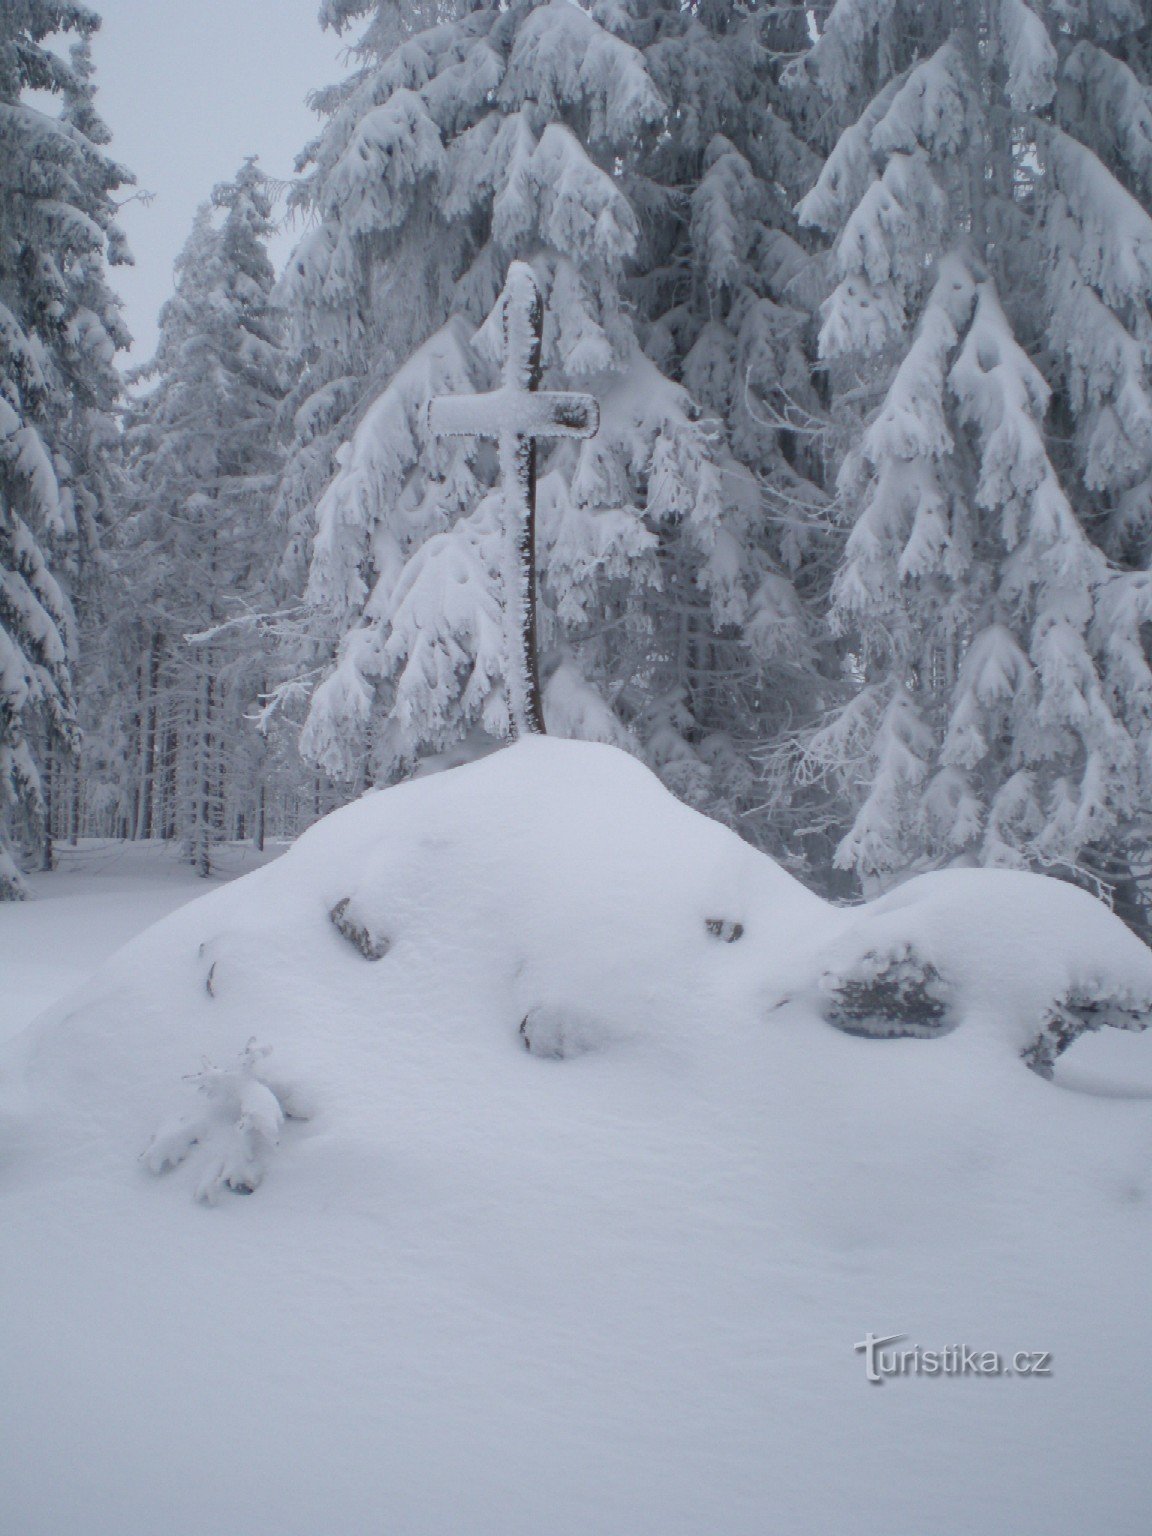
point(609, 149)
point(988, 345)
point(60, 328)
point(204, 460)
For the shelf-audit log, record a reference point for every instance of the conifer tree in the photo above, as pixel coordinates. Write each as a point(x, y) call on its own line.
point(988, 341)
point(547, 133)
point(204, 459)
point(60, 328)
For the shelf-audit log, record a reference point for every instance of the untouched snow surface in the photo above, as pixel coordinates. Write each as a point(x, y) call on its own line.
point(100, 895)
point(482, 1290)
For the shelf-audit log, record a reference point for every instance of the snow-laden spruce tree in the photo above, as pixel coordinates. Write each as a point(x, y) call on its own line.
point(723, 293)
point(196, 549)
point(60, 328)
point(607, 148)
point(988, 345)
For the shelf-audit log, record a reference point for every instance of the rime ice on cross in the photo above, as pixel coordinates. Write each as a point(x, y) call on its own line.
point(517, 414)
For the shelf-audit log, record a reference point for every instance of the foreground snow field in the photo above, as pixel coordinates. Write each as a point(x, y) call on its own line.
point(606, 1286)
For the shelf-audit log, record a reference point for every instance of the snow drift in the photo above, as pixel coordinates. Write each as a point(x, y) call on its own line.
point(573, 1204)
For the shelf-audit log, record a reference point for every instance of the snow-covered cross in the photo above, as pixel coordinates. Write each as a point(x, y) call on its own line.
point(516, 415)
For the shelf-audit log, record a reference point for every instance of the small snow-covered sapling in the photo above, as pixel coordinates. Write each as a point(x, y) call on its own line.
point(238, 1131)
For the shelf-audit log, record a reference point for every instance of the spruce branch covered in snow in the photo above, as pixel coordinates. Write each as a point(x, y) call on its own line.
point(60, 327)
point(993, 292)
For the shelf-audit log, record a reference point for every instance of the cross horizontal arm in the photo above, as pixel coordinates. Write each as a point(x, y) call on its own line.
point(544, 413)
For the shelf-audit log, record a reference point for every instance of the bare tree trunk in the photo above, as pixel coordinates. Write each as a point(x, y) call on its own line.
point(526, 553)
point(47, 849)
point(171, 783)
point(262, 781)
point(74, 812)
point(145, 805)
point(203, 807)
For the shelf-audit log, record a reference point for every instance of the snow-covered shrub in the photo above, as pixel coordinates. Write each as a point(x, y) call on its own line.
point(237, 1133)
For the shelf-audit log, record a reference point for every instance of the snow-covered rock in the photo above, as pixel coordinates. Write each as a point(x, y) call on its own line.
point(572, 1204)
point(1033, 961)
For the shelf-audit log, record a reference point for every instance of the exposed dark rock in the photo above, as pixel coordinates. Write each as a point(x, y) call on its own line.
point(371, 946)
point(1078, 1013)
point(724, 928)
point(889, 994)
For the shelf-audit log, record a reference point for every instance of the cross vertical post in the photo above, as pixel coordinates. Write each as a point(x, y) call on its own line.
point(523, 344)
point(516, 415)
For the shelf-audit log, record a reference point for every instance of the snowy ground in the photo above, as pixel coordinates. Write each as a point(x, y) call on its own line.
point(487, 1292)
point(100, 895)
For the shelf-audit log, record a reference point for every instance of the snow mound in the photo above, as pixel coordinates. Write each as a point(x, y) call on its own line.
point(555, 897)
point(572, 1204)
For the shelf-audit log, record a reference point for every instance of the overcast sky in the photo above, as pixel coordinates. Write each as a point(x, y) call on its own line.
point(188, 90)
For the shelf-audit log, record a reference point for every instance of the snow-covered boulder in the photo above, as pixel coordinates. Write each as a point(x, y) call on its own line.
point(1032, 960)
point(572, 1204)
